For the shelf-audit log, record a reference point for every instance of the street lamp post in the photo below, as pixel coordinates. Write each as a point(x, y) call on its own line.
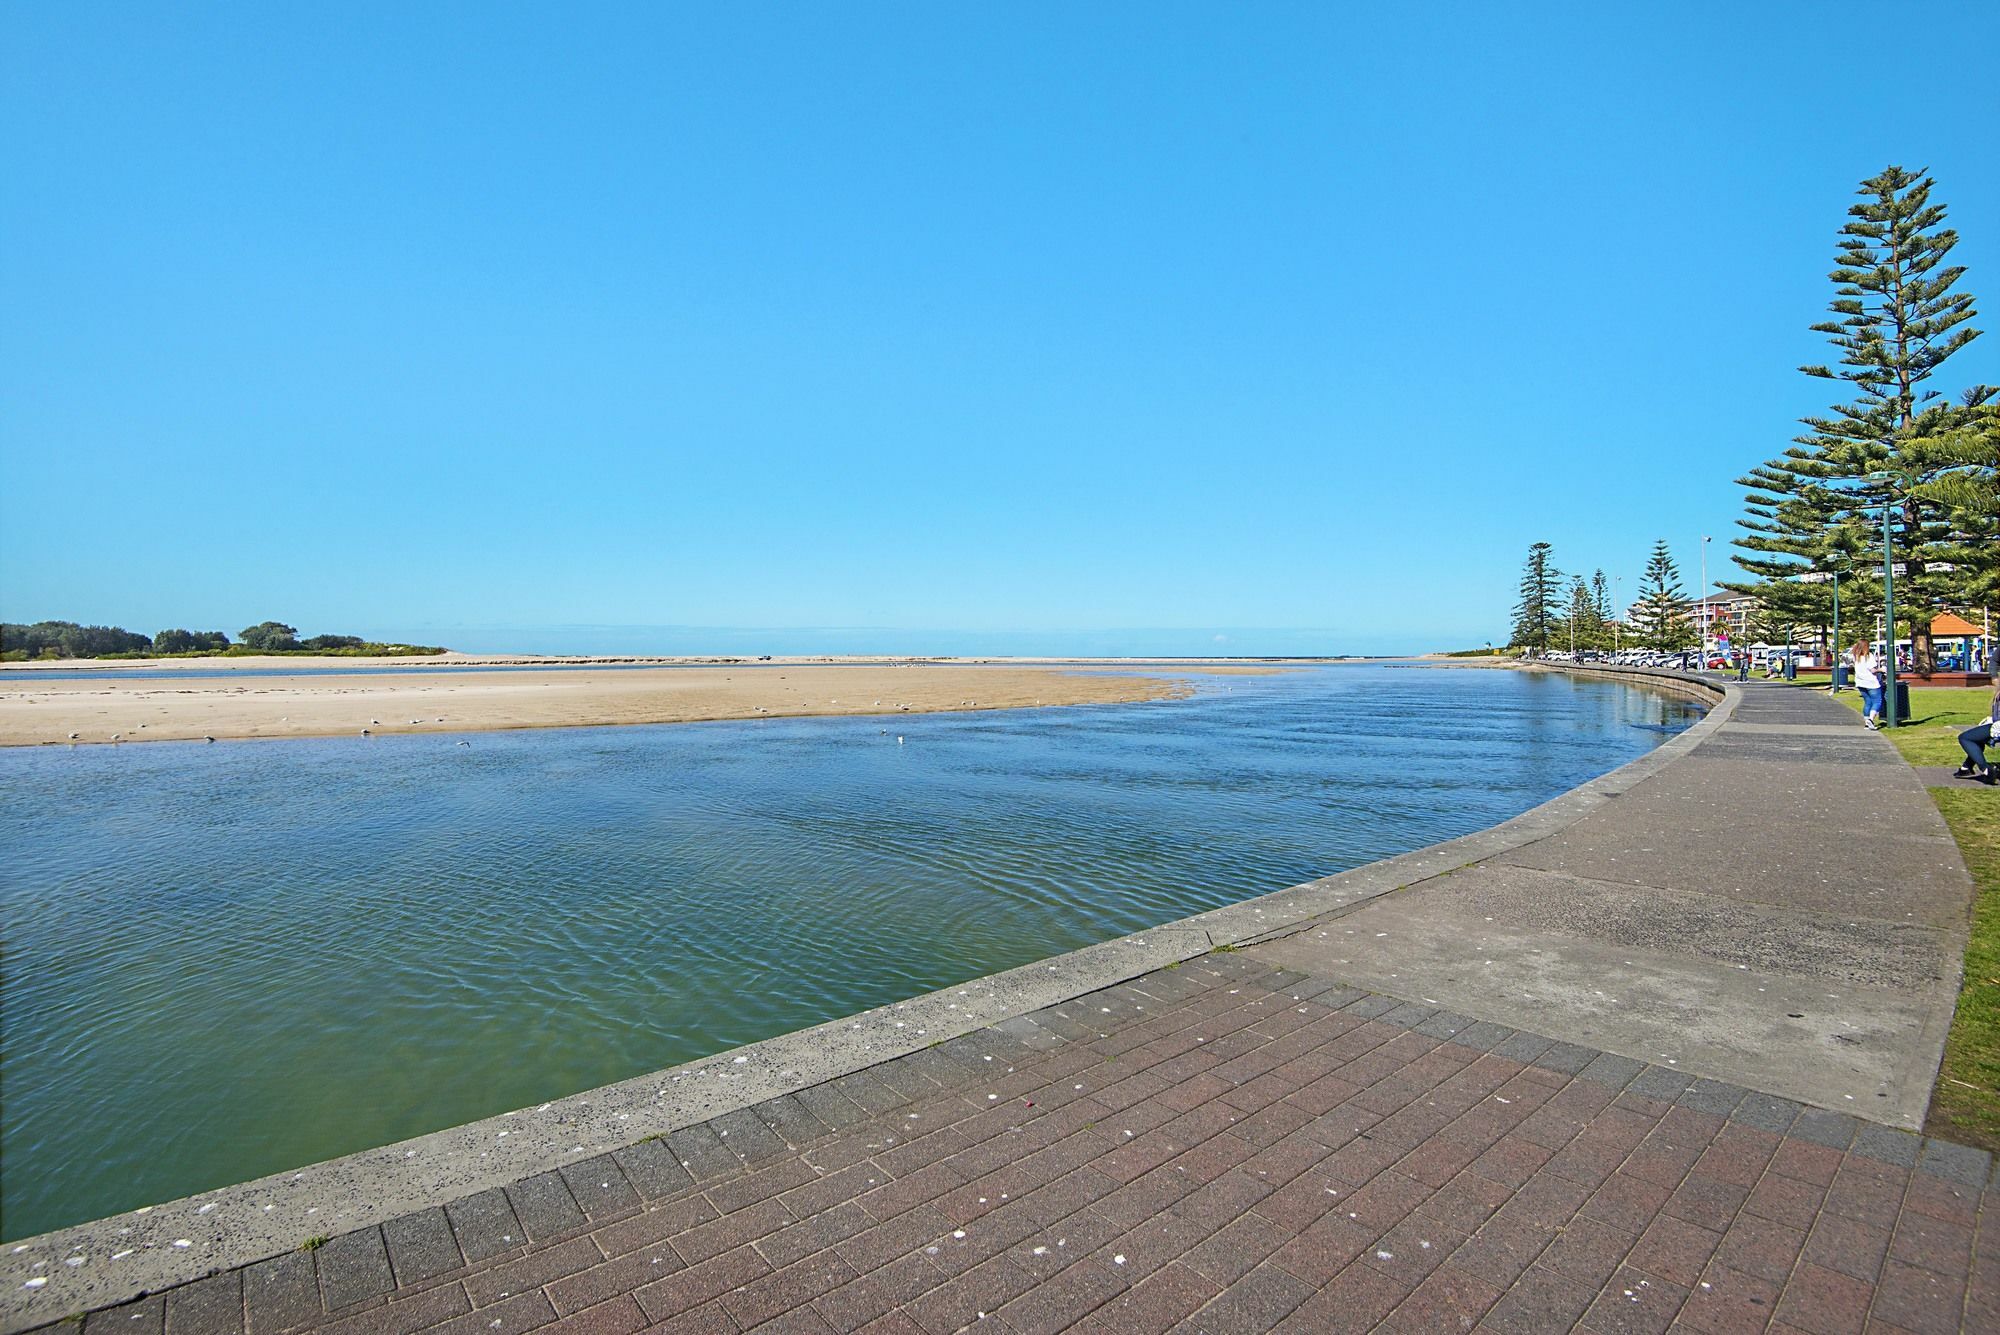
point(1888, 617)
point(1833, 667)
point(1704, 603)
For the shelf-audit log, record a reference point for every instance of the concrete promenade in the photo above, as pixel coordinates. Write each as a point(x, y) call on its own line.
point(1316, 1128)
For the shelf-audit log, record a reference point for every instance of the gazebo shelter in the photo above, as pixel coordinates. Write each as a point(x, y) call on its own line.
point(1946, 626)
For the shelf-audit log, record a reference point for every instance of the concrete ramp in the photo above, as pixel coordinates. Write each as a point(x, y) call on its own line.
point(1781, 908)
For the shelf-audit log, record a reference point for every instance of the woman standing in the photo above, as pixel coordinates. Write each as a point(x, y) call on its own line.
point(1868, 680)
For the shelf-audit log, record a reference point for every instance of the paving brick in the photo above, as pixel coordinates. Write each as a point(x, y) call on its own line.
point(527, 1273)
point(1326, 1248)
point(1787, 1200)
point(1237, 1249)
point(697, 1285)
point(654, 1224)
point(853, 1305)
point(1450, 1300)
point(1919, 1300)
point(544, 1206)
point(421, 1246)
point(619, 1316)
point(598, 1282)
point(1712, 1096)
point(279, 1294)
point(1589, 1254)
point(786, 1290)
point(1961, 1164)
point(146, 1316)
point(1258, 1302)
point(1824, 1301)
point(1707, 1202)
point(1848, 1245)
point(402, 1316)
point(790, 1122)
point(815, 1233)
point(1051, 1306)
point(1767, 1112)
point(957, 1303)
point(1539, 1301)
point(513, 1317)
point(653, 1169)
point(1728, 1302)
point(1761, 1247)
point(1833, 1130)
point(599, 1187)
point(772, 1179)
point(1355, 1300)
point(731, 1231)
point(701, 1153)
point(352, 1268)
point(1887, 1144)
point(1159, 1302)
point(1482, 1036)
point(1504, 1248)
point(744, 1135)
point(1635, 1304)
point(211, 1306)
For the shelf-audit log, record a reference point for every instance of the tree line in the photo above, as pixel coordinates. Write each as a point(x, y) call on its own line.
point(1898, 474)
point(21, 642)
point(1579, 615)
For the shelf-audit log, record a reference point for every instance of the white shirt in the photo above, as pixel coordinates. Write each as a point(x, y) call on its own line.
point(1868, 671)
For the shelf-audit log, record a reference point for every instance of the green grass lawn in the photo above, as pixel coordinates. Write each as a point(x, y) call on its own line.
point(1937, 715)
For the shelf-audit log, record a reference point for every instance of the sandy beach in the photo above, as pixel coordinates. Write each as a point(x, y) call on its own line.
point(434, 696)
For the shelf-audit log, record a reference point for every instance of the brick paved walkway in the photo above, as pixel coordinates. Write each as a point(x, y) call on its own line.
point(1216, 1147)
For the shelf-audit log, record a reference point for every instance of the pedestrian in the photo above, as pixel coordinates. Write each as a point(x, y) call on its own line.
point(1975, 740)
point(1868, 680)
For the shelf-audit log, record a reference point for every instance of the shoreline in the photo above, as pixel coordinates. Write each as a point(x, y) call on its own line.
point(436, 699)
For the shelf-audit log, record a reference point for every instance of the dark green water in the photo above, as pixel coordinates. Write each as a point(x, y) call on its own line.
point(224, 961)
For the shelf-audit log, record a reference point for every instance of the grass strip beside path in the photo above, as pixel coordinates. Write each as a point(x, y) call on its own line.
point(1965, 1106)
point(1938, 714)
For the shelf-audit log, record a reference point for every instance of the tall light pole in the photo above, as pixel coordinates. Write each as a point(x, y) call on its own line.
point(1704, 602)
point(1889, 613)
point(1833, 668)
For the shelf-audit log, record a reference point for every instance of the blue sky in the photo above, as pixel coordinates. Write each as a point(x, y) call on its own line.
point(1037, 328)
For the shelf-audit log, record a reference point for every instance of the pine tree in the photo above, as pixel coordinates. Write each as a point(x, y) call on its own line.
point(1536, 613)
point(1600, 597)
point(1899, 320)
point(1957, 450)
point(1583, 625)
point(1662, 606)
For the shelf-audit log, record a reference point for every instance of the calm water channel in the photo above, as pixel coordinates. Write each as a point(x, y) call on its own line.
point(223, 961)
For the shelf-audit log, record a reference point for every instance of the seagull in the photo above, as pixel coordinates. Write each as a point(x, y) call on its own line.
point(899, 741)
point(208, 739)
point(364, 732)
point(72, 737)
point(465, 743)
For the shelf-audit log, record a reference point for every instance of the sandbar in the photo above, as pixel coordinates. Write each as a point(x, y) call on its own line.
point(107, 707)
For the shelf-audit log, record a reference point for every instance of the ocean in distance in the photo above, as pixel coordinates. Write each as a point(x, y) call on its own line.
point(225, 961)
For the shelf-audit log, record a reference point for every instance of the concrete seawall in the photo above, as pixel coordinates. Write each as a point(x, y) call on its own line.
point(170, 1244)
